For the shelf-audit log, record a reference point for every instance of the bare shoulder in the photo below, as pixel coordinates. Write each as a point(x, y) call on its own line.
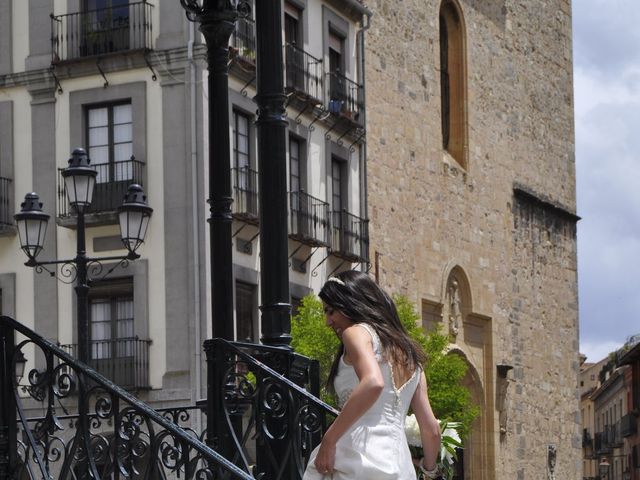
point(357, 339)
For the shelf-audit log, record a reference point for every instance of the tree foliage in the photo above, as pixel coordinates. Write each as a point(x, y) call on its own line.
point(450, 400)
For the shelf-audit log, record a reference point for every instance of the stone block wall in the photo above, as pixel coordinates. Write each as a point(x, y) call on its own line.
point(507, 220)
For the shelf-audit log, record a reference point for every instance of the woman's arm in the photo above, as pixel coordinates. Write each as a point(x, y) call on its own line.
point(359, 350)
point(429, 427)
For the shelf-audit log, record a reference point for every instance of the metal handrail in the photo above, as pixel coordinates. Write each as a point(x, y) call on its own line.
point(309, 219)
point(112, 182)
point(176, 443)
point(303, 72)
point(243, 39)
point(245, 193)
point(350, 238)
point(101, 31)
point(6, 195)
point(346, 97)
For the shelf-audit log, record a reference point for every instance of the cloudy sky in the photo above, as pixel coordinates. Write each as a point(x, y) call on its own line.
point(607, 100)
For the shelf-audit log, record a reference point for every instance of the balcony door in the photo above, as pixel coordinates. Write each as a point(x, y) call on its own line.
point(294, 51)
point(112, 333)
point(110, 148)
point(105, 27)
point(337, 84)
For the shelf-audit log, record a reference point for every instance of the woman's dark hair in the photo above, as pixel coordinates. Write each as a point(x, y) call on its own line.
point(358, 298)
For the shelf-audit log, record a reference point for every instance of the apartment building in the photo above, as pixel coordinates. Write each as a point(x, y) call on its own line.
point(126, 81)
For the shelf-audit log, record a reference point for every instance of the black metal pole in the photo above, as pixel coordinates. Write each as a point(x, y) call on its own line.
point(272, 128)
point(217, 25)
point(82, 290)
point(8, 425)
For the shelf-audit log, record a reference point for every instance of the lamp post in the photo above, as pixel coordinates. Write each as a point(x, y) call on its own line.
point(80, 181)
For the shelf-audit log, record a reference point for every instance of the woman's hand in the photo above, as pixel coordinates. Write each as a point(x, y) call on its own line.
point(326, 457)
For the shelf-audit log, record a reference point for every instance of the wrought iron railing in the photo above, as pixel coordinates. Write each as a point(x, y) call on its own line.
point(628, 425)
point(113, 436)
point(266, 420)
point(112, 183)
point(245, 194)
point(124, 361)
point(346, 97)
point(243, 41)
point(309, 220)
point(102, 31)
point(6, 196)
point(350, 237)
point(303, 73)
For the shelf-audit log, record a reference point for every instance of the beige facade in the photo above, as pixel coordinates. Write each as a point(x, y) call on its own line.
point(483, 237)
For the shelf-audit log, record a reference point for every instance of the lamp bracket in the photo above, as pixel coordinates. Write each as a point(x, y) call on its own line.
point(66, 271)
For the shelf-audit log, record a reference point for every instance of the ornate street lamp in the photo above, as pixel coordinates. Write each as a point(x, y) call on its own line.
point(80, 181)
point(32, 226)
point(134, 215)
point(603, 469)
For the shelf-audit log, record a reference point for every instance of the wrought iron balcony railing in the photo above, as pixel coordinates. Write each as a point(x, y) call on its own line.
point(346, 97)
point(245, 194)
point(350, 237)
point(303, 73)
point(102, 31)
point(6, 196)
point(309, 220)
point(243, 41)
point(111, 186)
point(124, 361)
point(628, 425)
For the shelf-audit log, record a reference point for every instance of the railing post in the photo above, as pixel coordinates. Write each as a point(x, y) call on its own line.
point(218, 435)
point(8, 427)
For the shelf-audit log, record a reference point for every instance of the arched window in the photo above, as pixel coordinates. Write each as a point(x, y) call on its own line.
point(452, 81)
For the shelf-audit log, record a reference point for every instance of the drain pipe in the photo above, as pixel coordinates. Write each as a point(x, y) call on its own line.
point(195, 230)
point(364, 208)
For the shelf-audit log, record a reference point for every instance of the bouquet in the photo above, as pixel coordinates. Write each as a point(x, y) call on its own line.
point(450, 440)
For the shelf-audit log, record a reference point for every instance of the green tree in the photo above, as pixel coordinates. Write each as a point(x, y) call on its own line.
point(450, 400)
point(311, 337)
point(445, 371)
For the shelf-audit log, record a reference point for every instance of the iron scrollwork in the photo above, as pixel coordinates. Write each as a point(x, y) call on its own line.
point(111, 435)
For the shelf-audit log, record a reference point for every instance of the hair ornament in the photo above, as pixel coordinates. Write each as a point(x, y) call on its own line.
point(337, 280)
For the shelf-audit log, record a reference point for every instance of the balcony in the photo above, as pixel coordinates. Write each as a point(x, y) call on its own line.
point(628, 425)
point(104, 31)
point(303, 74)
point(243, 44)
point(112, 183)
point(346, 97)
point(587, 441)
point(124, 361)
point(350, 237)
point(245, 195)
point(309, 220)
point(6, 206)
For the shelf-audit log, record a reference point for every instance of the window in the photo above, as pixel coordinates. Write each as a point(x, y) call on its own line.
point(292, 30)
point(295, 150)
point(337, 79)
point(116, 351)
point(105, 26)
point(338, 185)
point(241, 158)
point(109, 140)
point(244, 177)
point(246, 299)
point(452, 81)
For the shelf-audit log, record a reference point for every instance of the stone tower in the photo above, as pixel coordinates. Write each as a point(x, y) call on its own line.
point(471, 181)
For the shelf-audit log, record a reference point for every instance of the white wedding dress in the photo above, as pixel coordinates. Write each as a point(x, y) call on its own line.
point(375, 447)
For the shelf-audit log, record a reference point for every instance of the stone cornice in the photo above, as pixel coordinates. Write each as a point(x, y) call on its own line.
point(526, 194)
point(45, 78)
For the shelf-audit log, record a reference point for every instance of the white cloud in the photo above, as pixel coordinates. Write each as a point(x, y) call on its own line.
point(607, 114)
point(596, 351)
